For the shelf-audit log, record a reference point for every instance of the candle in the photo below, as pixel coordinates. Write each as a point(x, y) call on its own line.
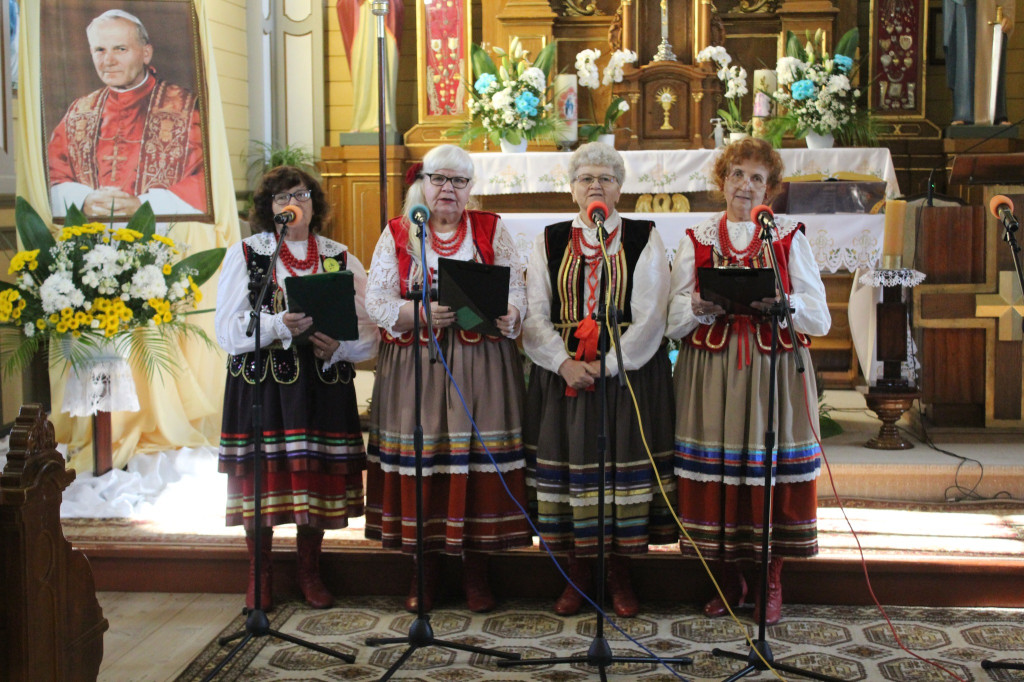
point(892, 243)
point(567, 106)
point(765, 83)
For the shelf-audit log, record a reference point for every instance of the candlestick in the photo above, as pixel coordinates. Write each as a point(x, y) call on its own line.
point(892, 243)
point(664, 53)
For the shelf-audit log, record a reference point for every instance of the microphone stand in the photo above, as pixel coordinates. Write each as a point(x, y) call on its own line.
point(761, 653)
point(600, 655)
point(380, 10)
point(256, 623)
point(1009, 228)
point(421, 634)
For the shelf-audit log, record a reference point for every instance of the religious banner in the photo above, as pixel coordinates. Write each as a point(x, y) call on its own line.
point(124, 109)
point(896, 81)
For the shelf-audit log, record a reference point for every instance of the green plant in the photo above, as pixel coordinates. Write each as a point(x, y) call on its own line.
point(511, 100)
point(586, 76)
point(95, 285)
point(735, 80)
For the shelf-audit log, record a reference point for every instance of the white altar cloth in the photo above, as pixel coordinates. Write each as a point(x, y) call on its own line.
point(670, 170)
point(841, 241)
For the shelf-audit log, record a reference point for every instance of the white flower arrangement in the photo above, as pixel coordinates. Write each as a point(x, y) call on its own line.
point(511, 100)
point(815, 89)
point(95, 284)
point(735, 80)
point(587, 77)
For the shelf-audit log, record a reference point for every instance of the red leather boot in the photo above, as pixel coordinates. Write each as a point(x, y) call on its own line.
point(431, 567)
point(773, 611)
point(569, 603)
point(308, 542)
point(266, 570)
point(734, 587)
point(479, 598)
point(620, 587)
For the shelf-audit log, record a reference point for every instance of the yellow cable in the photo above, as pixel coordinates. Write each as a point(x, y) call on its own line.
point(654, 467)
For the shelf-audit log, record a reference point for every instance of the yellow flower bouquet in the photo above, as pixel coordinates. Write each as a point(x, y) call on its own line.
point(95, 285)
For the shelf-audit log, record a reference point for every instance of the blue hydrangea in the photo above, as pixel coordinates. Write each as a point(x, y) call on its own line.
point(802, 90)
point(526, 103)
point(485, 81)
point(843, 63)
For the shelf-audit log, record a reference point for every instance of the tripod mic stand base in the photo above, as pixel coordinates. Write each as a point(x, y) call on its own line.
point(599, 656)
point(755, 664)
point(997, 665)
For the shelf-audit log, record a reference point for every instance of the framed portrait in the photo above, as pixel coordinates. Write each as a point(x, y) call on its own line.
point(124, 107)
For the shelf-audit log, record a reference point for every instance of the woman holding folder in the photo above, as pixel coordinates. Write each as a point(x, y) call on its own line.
point(565, 280)
point(313, 455)
point(722, 381)
point(467, 510)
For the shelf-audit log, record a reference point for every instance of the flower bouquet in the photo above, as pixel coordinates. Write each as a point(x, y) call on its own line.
point(510, 100)
point(94, 286)
point(816, 92)
point(586, 75)
point(735, 80)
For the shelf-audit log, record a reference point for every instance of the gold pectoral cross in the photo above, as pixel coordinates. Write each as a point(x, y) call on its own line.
point(114, 157)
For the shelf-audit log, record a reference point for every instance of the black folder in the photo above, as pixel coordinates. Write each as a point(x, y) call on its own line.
point(330, 299)
point(477, 292)
point(736, 288)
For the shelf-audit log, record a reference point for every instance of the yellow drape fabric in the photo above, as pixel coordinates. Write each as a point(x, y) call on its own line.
point(176, 410)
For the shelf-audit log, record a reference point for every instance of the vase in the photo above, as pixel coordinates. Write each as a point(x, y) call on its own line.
point(607, 138)
point(510, 148)
point(736, 136)
point(816, 141)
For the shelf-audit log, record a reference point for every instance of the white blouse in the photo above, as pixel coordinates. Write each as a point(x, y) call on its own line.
point(810, 309)
point(233, 309)
point(648, 303)
point(383, 291)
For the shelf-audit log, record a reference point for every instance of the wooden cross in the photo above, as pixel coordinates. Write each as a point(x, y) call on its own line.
point(1006, 305)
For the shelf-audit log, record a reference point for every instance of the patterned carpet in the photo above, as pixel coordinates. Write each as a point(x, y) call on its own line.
point(846, 642)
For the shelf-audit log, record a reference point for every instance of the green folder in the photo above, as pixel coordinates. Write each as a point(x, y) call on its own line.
point(330, 299)
point(477, 292)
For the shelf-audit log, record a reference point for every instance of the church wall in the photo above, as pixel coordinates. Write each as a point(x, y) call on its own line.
point(226, 19)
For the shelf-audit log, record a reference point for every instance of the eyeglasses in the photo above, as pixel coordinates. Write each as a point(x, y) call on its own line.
point(438, 180)
point(738, 177)
point(588, 180)
point(284, 197)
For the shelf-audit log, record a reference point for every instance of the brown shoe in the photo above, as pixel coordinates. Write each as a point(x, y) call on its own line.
point(623, 599)
point(773, 612)
point(479, 598)
point(308, 542)
point(431, 568)
point(266, 576)
point(734, 587)
point(570, 602)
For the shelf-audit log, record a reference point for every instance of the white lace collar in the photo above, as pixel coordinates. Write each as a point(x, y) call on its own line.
point(264, 244)
point(706, 232)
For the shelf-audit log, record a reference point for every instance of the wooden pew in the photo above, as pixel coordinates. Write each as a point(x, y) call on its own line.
point(51, 626)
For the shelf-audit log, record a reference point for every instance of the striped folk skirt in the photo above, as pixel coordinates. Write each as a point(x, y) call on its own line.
point(562, 451)
point(312, 446)
point(467, 504)
point(720, 453)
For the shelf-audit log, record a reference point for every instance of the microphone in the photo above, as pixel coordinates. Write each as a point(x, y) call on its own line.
point(419, 214)
point(290, 214)
point(763, 216)
point(1002, 208)
point(597, 212)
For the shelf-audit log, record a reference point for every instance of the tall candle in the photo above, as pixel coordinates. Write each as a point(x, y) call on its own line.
point(892, 242)
point(567, 106)
point(765, 83)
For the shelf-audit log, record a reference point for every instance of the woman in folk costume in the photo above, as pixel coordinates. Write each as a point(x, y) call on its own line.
point(312, 444)
point(564, 280)
point(467, 511)
point(722, 383)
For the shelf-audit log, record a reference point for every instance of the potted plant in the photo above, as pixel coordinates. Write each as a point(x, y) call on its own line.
point(735, 80)
point(587, 77)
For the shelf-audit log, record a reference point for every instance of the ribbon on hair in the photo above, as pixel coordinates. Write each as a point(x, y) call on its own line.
point(413, 174)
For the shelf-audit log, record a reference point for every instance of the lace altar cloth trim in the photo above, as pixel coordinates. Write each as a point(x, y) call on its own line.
point(904, 277)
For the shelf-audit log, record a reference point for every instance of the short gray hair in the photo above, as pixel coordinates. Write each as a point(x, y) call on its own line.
point(112, 14)
point(444, 156)
point(597, 154)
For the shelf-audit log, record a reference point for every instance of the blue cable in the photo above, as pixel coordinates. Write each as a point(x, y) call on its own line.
point(526, 515)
